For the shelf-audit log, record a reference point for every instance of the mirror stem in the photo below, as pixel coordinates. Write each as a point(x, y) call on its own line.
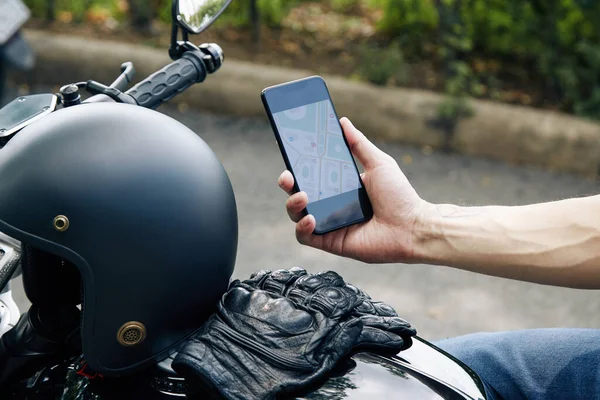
point(174, 52)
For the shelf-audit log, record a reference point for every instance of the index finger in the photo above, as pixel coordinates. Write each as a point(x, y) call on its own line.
point(286, 182)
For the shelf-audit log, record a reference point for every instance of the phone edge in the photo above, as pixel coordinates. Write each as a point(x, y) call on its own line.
point(277, 135)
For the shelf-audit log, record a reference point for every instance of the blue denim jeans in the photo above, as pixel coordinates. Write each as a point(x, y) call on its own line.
point(533, 364)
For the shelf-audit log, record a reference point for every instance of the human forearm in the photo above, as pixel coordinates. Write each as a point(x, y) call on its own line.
point(555, 243)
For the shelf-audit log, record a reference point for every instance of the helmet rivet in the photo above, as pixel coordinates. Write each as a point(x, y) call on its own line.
point(61, 223)
point(131, 333)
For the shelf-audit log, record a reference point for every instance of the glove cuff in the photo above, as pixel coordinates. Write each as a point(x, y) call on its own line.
point(210, 372)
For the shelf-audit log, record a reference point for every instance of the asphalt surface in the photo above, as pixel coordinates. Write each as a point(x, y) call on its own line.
point(440, 302)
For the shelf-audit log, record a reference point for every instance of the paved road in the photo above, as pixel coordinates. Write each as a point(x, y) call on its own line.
point(439, 301)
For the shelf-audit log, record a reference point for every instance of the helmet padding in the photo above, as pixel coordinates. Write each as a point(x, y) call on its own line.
point(49, 279)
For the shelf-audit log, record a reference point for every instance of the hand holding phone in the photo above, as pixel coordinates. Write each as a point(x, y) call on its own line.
point(316, 152)
point(400, 216)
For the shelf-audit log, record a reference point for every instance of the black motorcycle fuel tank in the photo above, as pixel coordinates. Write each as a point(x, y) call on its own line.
point(423, 372)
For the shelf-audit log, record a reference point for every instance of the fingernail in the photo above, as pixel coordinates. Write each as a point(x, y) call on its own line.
point(297, 201)
point(307, 221)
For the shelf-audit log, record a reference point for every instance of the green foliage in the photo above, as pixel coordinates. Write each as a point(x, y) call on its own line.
point(39, 7)
point(552, 46)
point(558, 40)
point(236, 15)
point(77, 8)
point(343, 5)
point(383, 66)
point(271, 12)
point(410, 21)
point(164, 13)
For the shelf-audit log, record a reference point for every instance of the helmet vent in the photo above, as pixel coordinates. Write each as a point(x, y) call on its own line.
point(131, 333)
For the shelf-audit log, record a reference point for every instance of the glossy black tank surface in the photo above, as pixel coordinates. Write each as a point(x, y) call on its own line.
point(422, 372)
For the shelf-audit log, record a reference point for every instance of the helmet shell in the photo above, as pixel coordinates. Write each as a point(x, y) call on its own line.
point(152, 223)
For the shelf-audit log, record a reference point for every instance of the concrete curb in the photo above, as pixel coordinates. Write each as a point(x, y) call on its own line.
point(509, 133)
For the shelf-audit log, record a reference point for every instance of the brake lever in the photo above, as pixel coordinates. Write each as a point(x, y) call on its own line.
point(127, 73)
point(112, 92)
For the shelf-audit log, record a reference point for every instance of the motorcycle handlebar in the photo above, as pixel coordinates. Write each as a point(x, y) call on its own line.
point(173, 79)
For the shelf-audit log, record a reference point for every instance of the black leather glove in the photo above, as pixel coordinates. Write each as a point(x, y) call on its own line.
point(259, 344)
point(383, 329)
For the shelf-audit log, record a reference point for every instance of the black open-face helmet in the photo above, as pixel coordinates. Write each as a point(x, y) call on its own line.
point(128, 212)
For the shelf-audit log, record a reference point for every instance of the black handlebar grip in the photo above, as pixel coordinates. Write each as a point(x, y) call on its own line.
point(169, 81)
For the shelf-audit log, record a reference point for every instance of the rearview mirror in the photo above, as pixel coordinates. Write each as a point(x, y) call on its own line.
point(194, 16)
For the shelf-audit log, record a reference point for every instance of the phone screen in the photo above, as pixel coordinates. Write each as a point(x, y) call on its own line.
point(320, 160)
point(311, 139)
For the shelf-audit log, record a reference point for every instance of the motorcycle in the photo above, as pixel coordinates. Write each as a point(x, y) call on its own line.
point(14, 50)
point(421, 372)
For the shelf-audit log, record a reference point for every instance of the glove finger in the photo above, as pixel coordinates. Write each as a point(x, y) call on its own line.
point(358, 291)
point(365, 308)
point(298, 270)
point(368, 307)
point(280, 280)
point(372, 307)
point(331, 278)
point(310, 284)
point(257, 278)
point(333, 302)
point(392, 324)
point(384, 309)
point(380, 340)
point(233, 284)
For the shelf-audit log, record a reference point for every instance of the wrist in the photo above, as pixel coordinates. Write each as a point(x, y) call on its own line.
point(445, 231)
point(426, 230)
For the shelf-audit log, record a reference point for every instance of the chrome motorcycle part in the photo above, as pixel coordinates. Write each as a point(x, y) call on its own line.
point(9, 311)
point(194, 16)
point(23, 111)
point(70, 95)
point(213, 56)
point(10, 257)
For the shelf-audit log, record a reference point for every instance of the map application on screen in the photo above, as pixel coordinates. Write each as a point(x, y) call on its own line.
point(315, 147)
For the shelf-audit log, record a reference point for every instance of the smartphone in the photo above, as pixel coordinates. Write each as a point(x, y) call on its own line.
point(315, 151)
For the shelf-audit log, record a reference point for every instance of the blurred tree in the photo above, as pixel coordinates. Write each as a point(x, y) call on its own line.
point(142, 13)
point(552, 45)
point(50, 10)
point(550, 48)
point(255, 21)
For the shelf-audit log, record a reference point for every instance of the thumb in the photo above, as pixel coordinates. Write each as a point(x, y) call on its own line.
point(366, 152)
point(374, 339)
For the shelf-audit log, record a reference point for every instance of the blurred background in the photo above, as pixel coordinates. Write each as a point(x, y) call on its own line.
point(541, 53)
point(533, 53)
